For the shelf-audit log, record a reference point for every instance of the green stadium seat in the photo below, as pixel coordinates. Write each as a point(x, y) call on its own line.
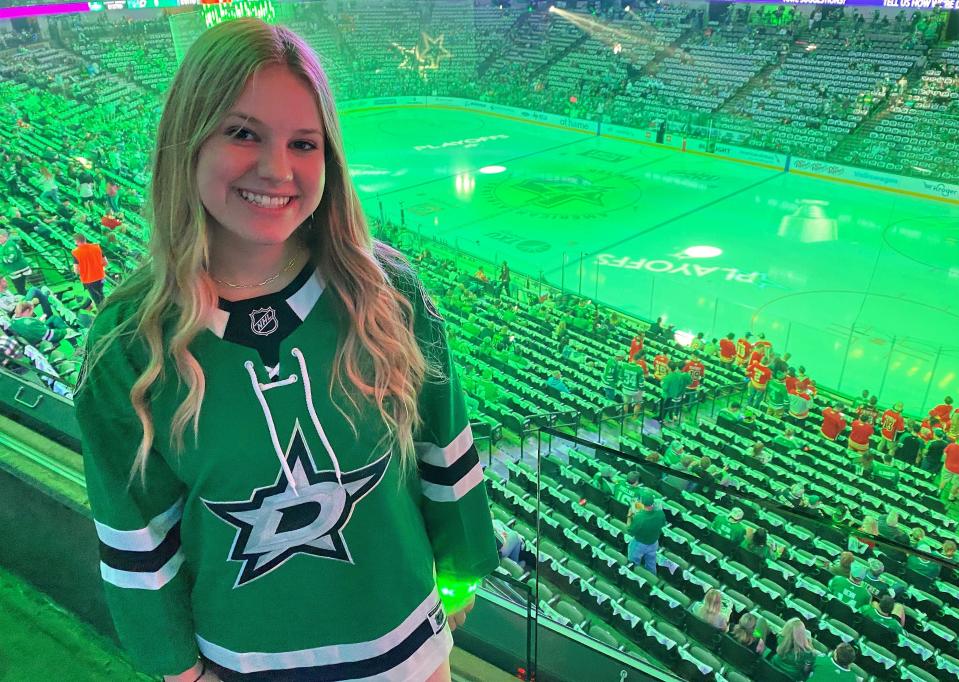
point(670, 639)
point(512, 568)
point(916, 674)
point(570, 612)
point(670, 604)
point(948, 666)
point(604, 635)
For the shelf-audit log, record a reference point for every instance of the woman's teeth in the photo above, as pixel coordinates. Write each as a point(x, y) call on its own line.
point(265, 201)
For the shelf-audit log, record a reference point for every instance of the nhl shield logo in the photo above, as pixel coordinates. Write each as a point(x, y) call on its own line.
point(263, 321)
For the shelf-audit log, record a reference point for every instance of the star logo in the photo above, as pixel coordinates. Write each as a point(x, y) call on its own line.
point(276, 523)
point(410, 56)
point(431, 51)
point(551, 194)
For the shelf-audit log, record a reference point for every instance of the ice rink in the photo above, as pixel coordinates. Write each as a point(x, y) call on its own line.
point(860, 285)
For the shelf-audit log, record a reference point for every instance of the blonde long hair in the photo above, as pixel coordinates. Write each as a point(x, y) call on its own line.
point(377, 361)
point(794, 639)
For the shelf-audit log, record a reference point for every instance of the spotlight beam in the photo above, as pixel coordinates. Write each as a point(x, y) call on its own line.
point(610, 35)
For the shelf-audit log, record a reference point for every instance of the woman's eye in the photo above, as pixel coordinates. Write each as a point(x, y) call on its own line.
point(245, 135)
point(238, 133)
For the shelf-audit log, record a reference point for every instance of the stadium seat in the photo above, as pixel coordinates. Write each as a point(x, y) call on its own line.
point(766, 672)
point(603, 634)
point(547, 593)
point(740, 657)
point(875, 659)
point(802, 609)
point(697, 664)
point(513, 569)
point(832, 633)
point(634, 608)
point(740, 602)
point(914, 650)
point(612, 595)
point(734, 676)
point(704, 580)
point(701, 631)
point(570, 612)
point(670, 640)
point(839, 610)
point(670, 604)
point(916, 674)
point(947, 666)
point(774, 622)
point(769, 595)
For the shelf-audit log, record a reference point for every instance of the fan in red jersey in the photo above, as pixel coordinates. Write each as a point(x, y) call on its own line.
point(727, 349)
point(833, 422)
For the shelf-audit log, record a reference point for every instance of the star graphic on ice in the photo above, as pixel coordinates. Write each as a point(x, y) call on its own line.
point(431, 51)
point(276, 524)
point(552, 193)
point(410, 56)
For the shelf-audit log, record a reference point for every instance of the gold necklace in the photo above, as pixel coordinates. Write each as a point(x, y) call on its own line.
point(261, 284)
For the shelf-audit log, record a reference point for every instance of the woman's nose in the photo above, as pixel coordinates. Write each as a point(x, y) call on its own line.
point(275, 165)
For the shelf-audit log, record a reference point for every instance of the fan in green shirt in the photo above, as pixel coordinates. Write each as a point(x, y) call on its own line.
point(12, 260)
point(923, 566)
point(674, 453)
point(882, 613)
point(628, 491)
point(675, 383)
point(605, 480)
point(776, 394)
point(787, 439)
point(730, 413)
point(886, 472)
point(850, 590)
point(730, 525)
point(836, 667)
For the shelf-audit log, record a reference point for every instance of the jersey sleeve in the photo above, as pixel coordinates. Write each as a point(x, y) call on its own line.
point(454, 502)
point(141, 562)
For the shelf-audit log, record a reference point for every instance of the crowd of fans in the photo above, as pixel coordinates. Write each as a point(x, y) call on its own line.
point(74, 130)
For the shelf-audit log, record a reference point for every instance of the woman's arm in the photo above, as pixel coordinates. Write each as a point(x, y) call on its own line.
point(138, 524)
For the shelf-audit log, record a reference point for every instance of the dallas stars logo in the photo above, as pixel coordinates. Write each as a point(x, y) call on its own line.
point(276, 524)
point(551, 193)
point(425, 55)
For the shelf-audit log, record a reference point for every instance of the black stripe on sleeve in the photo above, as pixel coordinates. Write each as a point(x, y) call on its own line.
point(142, 562)
point(453, 473)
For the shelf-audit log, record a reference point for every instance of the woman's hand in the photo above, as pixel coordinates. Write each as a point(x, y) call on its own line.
point(457, 618)
point(193, 675)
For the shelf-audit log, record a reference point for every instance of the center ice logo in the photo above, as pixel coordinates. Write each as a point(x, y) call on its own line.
point(591, 194)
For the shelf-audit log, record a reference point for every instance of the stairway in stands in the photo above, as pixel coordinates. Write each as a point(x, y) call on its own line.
point(732, 105)
point(848, 148)
point(559, 57)
point(652, 66)
point(491, 59)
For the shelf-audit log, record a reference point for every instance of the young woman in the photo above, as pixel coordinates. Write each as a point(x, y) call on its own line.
point(749, 633)
point(329, 492)
point(795, 654)
point(711, 610)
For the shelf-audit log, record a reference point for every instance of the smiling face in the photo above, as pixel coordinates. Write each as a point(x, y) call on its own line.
point(262, 172)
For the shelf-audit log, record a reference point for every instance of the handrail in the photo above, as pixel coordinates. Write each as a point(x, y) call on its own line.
point(749, 497)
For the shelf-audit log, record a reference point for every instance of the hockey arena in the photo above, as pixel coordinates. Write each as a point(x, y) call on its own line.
point(696, 264)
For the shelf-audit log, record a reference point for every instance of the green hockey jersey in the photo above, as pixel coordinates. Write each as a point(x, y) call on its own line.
point(282, 544)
